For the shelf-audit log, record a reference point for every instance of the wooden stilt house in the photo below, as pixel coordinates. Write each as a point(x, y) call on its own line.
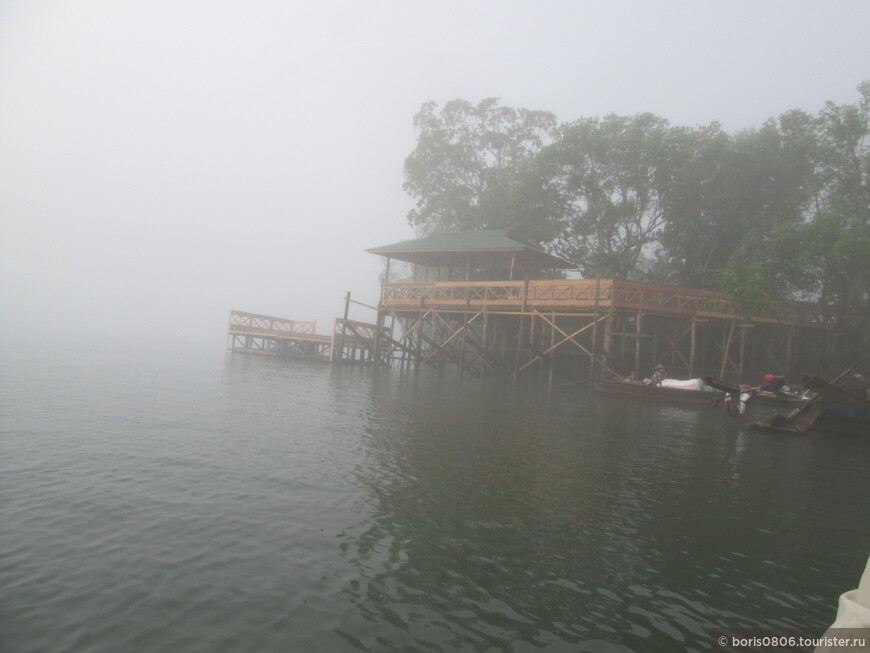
point(483, 303)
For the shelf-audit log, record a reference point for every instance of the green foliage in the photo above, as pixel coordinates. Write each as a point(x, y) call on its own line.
point(473, 169)
point(608, 174)
point(724, 188)
point(782, 211)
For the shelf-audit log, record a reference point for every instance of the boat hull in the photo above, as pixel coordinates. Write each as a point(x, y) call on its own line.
point(659, 394)
point(833, 410)
point(759, 407)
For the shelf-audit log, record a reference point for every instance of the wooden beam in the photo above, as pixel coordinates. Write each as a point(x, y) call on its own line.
point(456, 332)
point(566, 338)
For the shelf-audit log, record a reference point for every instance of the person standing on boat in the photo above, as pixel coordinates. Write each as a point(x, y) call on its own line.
point(659, 374)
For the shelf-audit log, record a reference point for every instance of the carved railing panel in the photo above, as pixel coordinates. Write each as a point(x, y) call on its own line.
point(254, 323)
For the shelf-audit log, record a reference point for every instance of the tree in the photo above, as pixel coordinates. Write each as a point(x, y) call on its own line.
point(724, 188)
point(691, 241)
point(779, 211)
point(824, 256)
point(473, 168)
point(608, 174)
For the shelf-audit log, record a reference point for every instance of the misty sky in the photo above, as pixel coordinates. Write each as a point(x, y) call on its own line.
point(162, 162)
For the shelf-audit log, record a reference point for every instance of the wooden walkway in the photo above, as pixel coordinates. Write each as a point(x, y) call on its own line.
point(577, 328)
point(350, 340)
point(251, 333)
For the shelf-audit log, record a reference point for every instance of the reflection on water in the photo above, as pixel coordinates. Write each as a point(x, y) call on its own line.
point(269, 506)
point(496, 523)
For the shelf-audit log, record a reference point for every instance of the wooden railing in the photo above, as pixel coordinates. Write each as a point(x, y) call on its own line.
point(706, 303)
point(363, 331)
point(241, 322)
point(452, 293)
point(584, 294)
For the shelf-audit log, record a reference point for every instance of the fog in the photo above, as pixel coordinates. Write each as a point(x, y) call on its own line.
point(162, 162)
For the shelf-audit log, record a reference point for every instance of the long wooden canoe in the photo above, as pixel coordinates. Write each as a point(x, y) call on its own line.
point(760, 406)
point(660, 394)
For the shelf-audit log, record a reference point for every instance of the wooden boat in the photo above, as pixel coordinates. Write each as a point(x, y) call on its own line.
point(759, 403)
point(716, 393)
point(832, 410)
point(660, 394)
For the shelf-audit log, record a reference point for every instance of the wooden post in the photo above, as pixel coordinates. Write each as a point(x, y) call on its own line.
point(376, 349)
point(533, 331)
point(594, 333)
point(608, 337)
point(517, 354)
point(435, 340)
point(419, 353)
point(462, 342)
point(622, 342)
point(343, 327)
point(552, 355)
point(727, 349)
point(484, 341)
point(539, 345)
point(520, 331)
point(693, 342)
point(637, 339)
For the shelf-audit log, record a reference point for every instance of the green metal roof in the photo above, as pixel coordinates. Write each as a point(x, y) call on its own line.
point(436, 249)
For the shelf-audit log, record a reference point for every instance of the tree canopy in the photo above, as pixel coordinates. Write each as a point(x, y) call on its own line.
point(780, 211)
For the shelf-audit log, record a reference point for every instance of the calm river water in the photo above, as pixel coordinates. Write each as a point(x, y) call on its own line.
point(228, 503)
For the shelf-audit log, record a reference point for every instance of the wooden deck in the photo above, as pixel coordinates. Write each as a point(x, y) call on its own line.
point(583, 296)
point(510, 327)
point(573, 328)
point(350, 340)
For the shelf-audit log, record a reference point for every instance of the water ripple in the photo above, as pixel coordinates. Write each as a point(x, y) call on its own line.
point(266, 506)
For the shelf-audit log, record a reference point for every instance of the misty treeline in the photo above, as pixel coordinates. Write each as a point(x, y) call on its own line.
point(780, 211)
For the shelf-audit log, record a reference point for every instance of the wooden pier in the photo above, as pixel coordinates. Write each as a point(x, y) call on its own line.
point(508, 328)
point(349, 341)
point(476, 317)
point(578, 327)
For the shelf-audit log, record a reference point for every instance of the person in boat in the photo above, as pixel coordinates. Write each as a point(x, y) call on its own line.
point(659, 374)
point(772, 383)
